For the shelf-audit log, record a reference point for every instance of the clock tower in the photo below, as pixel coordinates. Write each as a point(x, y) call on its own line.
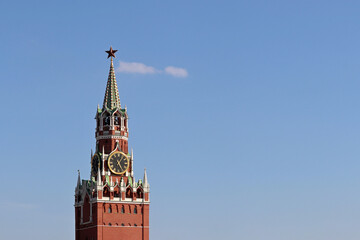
point(112, 205)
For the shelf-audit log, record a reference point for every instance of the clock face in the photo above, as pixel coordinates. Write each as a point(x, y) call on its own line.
point(95, 164)
point(118, 162)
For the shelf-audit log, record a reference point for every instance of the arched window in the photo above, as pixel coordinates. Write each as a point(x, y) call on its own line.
point(106, 192)
point(139, 193)
point(86, 209)
point(129, 193)
point(116, 120)
point(122, 209)
point(109, 210)
point(106, 119)
point(135, 210)
point(117, 191)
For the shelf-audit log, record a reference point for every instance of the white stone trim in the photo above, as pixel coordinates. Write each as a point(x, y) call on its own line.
point(121, 201)
point(111, 226)
point(111, 136)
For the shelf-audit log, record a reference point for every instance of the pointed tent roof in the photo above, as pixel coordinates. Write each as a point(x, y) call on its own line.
point(111, 99)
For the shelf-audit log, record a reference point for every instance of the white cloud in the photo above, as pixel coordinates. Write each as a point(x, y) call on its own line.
point(136, 67)
point(176, 72)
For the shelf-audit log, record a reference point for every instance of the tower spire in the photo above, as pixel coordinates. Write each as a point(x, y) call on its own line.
point(111, 99)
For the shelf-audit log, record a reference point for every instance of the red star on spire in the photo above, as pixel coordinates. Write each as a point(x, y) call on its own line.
point(111, 52)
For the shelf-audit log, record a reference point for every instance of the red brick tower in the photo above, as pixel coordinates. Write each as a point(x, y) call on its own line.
point(112, 205)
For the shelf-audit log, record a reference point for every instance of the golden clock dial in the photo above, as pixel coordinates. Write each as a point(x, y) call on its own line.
point(95, 164)
point(118, 162)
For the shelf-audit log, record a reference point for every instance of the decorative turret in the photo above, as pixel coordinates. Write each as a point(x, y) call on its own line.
point(103, 161)
point(91, 156)
point(78, 182)
point(146, 185)
point(132, 163)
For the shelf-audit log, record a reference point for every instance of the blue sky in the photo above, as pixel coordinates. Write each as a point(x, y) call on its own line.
point(256, 139)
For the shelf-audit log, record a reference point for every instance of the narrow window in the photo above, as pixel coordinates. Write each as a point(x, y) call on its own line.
point(107, 121)
point(128, 193)
point(135, 210)
point(122, 224)
point(109, 210)
point(116, 120)
point(109, 224)
point(135, 225)
point(122, 209)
